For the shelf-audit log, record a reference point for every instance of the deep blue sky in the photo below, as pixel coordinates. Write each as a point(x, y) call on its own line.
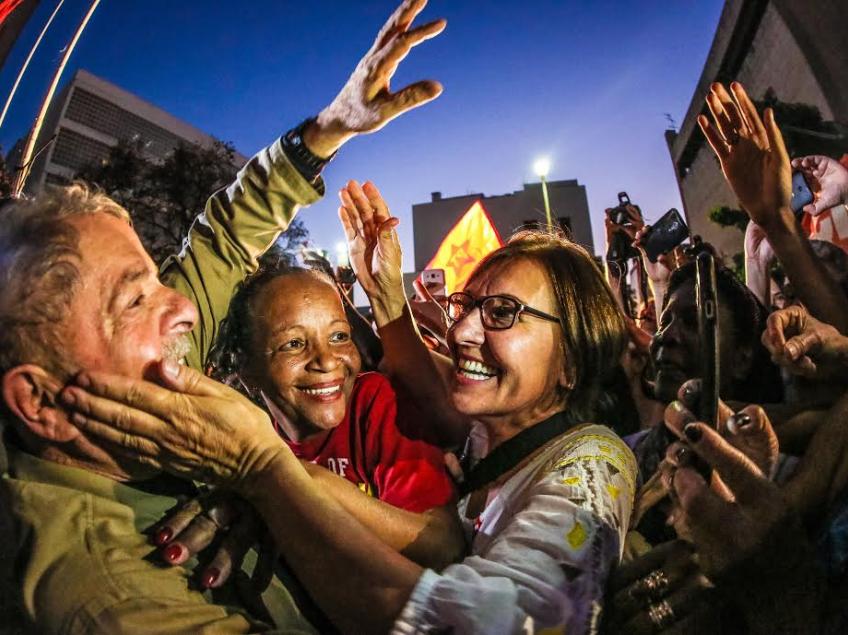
point(584, 82)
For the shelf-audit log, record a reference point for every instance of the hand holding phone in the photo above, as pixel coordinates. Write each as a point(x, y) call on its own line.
point(802, 195)
point(664, 235)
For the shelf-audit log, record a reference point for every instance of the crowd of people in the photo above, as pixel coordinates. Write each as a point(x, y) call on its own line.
point(224, 445)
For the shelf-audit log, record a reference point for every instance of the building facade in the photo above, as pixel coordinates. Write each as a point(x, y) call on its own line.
point(432, 221)
point(796, 51)
point(89, 117)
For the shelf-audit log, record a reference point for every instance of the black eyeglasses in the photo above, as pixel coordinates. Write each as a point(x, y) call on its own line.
point(497, 311)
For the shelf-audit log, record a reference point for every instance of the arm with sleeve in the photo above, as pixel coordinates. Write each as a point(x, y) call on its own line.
point(239, 223)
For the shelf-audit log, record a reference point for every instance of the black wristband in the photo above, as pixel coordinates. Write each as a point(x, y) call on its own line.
point(308, 164)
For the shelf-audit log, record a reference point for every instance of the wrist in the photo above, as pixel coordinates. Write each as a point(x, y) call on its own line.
point(387, 307)
point(324, 136)
point(263, 469)
point(782, 224)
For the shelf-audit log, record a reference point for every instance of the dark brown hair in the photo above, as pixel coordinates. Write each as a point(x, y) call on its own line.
point(593, 331)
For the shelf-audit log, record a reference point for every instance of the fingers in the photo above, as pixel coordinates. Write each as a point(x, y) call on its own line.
point(353, 216)
point(628, 573)
point(378, 203)
point(177, 522)
point(230, 554)
point(348, 224)
point(181, 378)
point(737, 471)
point(355, 198)
point(749, 111)
point(789, 321)
point(675, 606)
point(400, 48)
point(775, 138)
point(400, 20)
point(726, 113)
point(714, 138)
point(411, 97)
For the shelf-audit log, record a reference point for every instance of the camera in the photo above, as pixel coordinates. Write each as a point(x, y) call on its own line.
point(618, 214)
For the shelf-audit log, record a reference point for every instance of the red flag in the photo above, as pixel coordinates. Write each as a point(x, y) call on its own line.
point(471, 239)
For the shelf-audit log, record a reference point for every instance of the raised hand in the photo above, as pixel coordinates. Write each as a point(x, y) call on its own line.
point(804, 345)
point(366, 103)
point(752, 154)
point(191, 425)
point(829, 180)
point(373, 243)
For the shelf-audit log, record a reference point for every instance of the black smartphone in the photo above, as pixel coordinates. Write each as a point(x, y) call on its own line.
point(706, 298)
point(664, 235)
point(802, 195)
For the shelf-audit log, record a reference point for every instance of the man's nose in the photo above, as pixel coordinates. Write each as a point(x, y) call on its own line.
point(181, 315)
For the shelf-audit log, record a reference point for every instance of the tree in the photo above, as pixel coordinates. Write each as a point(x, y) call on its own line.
point(729, 217)
point(163, 198)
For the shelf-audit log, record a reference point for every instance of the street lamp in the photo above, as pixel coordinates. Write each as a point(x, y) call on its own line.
point(541, 167)
point(342, 259)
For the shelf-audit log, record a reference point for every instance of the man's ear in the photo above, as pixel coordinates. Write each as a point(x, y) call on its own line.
point(30, 394)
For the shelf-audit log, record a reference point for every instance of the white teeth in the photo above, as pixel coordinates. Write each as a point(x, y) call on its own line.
point(475, 369)
point(474, 376)
point(322, 391)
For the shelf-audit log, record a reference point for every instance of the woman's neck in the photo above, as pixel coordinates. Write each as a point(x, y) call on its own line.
point(293, 431)
point(502, 429)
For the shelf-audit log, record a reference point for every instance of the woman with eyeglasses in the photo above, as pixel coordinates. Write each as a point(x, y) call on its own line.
point(546, 496)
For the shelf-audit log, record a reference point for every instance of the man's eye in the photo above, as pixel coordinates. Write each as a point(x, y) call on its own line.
point(136, 302)
point(340, 337)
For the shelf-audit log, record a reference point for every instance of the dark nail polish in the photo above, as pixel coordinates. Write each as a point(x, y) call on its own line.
point(693, 432)
point(163, 536)
point(209, 577)
point(682, 457)
point(742, 420)
point(173, 552)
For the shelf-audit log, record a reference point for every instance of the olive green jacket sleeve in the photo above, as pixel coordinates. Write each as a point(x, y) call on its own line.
point(239, 223)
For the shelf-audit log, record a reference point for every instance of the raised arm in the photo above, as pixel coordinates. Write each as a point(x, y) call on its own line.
point(375, 256)
point(243, 220)
point(755, 163)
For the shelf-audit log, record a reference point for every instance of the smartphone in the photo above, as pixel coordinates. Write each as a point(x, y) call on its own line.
point(434, 281)
point(664, 235)
point(802, 195)
point(619, 214)
point(706, 298)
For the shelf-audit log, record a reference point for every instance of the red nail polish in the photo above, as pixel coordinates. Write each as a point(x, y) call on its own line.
point(163, 536)
point(173, 552)
point(209, 577)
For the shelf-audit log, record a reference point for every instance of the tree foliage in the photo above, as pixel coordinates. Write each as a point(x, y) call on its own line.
point(164, 197)
point(729, 217)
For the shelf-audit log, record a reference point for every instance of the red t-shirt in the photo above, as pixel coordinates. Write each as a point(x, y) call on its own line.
point(381, 446)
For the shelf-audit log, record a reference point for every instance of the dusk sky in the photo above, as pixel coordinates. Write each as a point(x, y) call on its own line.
point(586, 83)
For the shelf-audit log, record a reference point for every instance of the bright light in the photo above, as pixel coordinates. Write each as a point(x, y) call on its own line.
point(342, 259)
point(542, 166)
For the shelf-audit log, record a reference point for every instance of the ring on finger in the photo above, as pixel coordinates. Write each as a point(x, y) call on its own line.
point(655, 584)
point(661, 614)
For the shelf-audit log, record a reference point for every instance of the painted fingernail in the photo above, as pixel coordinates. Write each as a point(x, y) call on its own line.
point(163, 536)
point(210, 576)
point(693, 432)
point(682, 457)
point(173, 552)
point(740, 420)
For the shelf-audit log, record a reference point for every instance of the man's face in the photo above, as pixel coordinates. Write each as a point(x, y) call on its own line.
point(676, 350)
point(122, 319)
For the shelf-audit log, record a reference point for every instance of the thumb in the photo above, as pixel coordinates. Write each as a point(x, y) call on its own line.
point(180, 378)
